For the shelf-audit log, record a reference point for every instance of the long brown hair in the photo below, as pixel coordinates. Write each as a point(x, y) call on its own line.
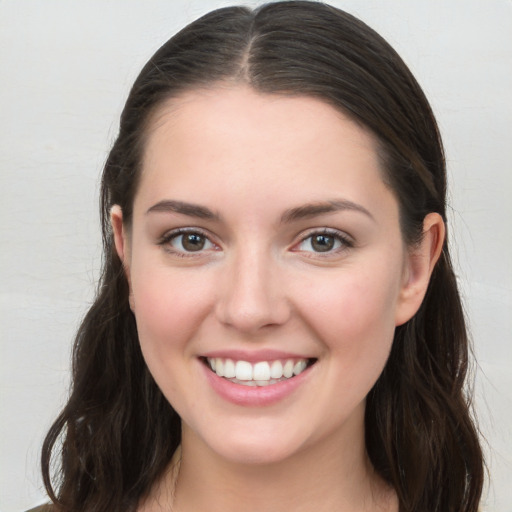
point(117, 433)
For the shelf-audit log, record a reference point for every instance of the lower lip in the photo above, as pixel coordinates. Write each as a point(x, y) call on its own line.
point(254, 396)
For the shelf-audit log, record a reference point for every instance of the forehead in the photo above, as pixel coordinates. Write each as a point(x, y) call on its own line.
point(238, 141)
point(217, 110)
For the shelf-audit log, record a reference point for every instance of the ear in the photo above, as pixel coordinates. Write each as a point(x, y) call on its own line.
point(420, 262)
point(121, 244)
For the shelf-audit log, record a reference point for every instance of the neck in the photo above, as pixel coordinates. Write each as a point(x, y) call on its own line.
point(319, 478)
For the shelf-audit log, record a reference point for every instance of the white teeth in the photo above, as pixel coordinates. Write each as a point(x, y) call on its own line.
point(259, 383)
point(287, 369)
point(299, 367)
point(243, 370)
point(229, 369)
point(261, 373)
point(276, 370)
point(219, 367)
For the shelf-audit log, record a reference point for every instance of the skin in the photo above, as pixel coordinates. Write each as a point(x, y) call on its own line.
point(259, 284)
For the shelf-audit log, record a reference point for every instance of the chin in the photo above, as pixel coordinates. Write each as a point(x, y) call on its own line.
point(256, 454)
point(255, 448)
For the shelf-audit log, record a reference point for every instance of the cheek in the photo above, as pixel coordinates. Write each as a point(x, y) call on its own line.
point(169, 306)
point(353, 314)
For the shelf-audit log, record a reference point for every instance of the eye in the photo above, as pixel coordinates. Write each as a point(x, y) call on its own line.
point(187, 241)
point(324, 242)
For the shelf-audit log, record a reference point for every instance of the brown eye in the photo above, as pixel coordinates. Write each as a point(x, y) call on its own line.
point(190, 242)
point(325, 242)
point(193, 242)
point(322, 243)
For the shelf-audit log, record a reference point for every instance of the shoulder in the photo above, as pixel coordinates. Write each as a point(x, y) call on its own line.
point(42, 508)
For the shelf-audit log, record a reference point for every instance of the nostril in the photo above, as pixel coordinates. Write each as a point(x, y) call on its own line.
point(251, 297)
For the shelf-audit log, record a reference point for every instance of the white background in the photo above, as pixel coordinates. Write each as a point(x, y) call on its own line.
point(65, 71)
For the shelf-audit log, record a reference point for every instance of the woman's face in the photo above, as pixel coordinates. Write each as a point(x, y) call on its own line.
point(264, 244)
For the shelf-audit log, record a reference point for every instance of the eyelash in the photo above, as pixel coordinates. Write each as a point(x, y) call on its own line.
point(165, 241)
point(345, 241)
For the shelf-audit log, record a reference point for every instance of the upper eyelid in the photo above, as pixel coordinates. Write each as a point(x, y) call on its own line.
point(180, 231)
point(326, 231)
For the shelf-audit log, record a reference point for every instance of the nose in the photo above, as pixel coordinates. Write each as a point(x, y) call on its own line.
point(251, 296)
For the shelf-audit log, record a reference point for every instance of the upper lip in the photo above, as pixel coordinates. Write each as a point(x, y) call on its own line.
point(254, 356)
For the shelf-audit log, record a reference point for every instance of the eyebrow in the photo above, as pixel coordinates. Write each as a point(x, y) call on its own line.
point(291, 215)
point(190, 209)
point(320, 208)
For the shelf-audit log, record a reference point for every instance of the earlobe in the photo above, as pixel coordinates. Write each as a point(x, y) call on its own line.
point(420, 264)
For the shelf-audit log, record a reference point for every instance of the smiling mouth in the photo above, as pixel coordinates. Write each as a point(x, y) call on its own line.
point(262, 373)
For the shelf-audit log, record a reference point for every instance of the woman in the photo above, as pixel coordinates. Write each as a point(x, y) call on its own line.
point(278, 322)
